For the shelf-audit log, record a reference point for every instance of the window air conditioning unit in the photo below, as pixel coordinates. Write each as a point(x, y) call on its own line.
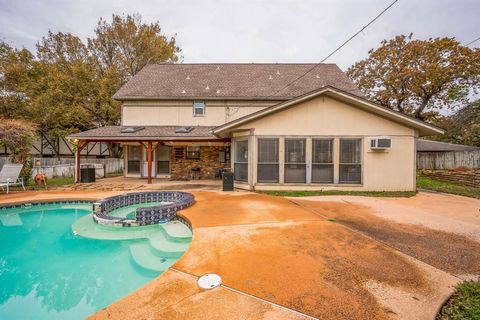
point(380, 143)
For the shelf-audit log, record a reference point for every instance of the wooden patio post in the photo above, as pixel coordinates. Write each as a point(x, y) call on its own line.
point(80, 147)
point(149, 160)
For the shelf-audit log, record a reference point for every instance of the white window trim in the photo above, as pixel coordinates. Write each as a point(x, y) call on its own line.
point(196, 107)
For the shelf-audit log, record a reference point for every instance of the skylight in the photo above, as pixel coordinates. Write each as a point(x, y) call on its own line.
point(132, 129)
point(183, 130)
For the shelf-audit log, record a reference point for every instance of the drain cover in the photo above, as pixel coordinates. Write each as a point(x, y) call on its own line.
point(209, 281)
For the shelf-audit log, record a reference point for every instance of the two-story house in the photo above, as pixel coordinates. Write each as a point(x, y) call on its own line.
point(277, 126)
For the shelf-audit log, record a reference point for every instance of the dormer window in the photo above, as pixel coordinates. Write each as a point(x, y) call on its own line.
point(198, 108)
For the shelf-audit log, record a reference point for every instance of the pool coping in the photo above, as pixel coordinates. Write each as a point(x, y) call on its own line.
point(40, 202)
point(179, 217)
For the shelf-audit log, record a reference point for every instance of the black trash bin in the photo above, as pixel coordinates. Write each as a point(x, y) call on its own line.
point(227, 180)
point(87, 174)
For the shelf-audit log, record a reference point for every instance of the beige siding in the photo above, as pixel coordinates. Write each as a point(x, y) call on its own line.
point(326, 116)
point(181, 112)
point(390, 170)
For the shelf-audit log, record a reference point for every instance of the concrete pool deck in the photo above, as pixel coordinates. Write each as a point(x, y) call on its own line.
point(278, 260)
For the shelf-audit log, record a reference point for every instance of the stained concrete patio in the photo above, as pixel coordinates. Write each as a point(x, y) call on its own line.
point(278, 260)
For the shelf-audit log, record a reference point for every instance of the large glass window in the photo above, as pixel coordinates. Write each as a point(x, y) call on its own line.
point(350, 161)
point(295, 166)
point(134, 157)
point(267, 170)
point(322, 160)
point(240, 166)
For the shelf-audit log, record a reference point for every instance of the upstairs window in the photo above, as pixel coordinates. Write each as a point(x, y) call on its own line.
point(198, 108)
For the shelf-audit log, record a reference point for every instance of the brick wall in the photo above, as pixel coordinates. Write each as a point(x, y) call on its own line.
point(181, 167)
point(469, 178)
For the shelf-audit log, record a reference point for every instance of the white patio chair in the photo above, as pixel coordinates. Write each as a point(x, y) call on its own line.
point(9, 176)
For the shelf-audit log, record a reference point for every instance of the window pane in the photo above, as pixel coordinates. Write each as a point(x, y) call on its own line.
point(350, 151)
point(193, 152)
point(322, 173)
point(240, 171)
point(198, 108)
point(267, 173)
point(240, 167)
point(294, 151)
point(295, 173)
point(163, 167)
point(241, 151)
point(322, 150)
point(134, 157)
point(268, 150)
point(350, 173)
point(267, 168)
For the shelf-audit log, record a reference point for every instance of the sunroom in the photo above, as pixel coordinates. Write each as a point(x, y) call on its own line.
point(325, 140)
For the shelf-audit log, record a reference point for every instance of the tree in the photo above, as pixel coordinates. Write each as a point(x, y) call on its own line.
point(16, 73)
point(67, 86)
point(418, 77)
point(18, 136)
point(463, 126)
point(127, 44)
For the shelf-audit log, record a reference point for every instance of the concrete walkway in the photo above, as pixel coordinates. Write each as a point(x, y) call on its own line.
point(279, 260)
point(439, 211)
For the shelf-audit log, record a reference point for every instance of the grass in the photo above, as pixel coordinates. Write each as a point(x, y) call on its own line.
point(402, 194)
point(463, 304)
point(54, 182)
point(447, 187)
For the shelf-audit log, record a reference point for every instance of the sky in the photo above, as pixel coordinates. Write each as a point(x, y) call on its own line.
point(252, 30)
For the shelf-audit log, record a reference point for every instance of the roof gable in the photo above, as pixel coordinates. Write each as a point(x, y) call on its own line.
point(348, 98)
point(233, 81)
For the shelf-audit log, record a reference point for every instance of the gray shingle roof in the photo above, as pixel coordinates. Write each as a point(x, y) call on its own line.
point(437, 146)
point(153, 132)
point(243, 81)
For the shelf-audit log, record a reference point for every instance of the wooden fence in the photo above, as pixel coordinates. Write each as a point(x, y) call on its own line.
point(65, 167)
point(448, 160)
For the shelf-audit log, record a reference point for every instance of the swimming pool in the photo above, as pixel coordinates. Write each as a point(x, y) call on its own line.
point(56, 263)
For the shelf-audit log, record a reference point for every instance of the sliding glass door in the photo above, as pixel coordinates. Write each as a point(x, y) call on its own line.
point(163, 160)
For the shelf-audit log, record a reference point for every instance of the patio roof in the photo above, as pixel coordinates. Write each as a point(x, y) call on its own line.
point(145, 133)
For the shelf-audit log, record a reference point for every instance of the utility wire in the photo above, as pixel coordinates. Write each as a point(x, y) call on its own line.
point(333, 52)
point(338, 48)
point(473, 41)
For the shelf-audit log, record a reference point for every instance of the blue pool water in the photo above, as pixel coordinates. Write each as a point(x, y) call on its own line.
point(49, 271)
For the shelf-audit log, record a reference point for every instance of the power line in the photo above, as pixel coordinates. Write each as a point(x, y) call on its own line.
point(338, 48)
point(473, 41)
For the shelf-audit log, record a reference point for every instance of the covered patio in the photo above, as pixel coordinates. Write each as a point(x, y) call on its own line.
point(169, 152)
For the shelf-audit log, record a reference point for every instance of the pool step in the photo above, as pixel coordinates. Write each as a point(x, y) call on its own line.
point(165, 248)
point(143, 256)
point(177, 231)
